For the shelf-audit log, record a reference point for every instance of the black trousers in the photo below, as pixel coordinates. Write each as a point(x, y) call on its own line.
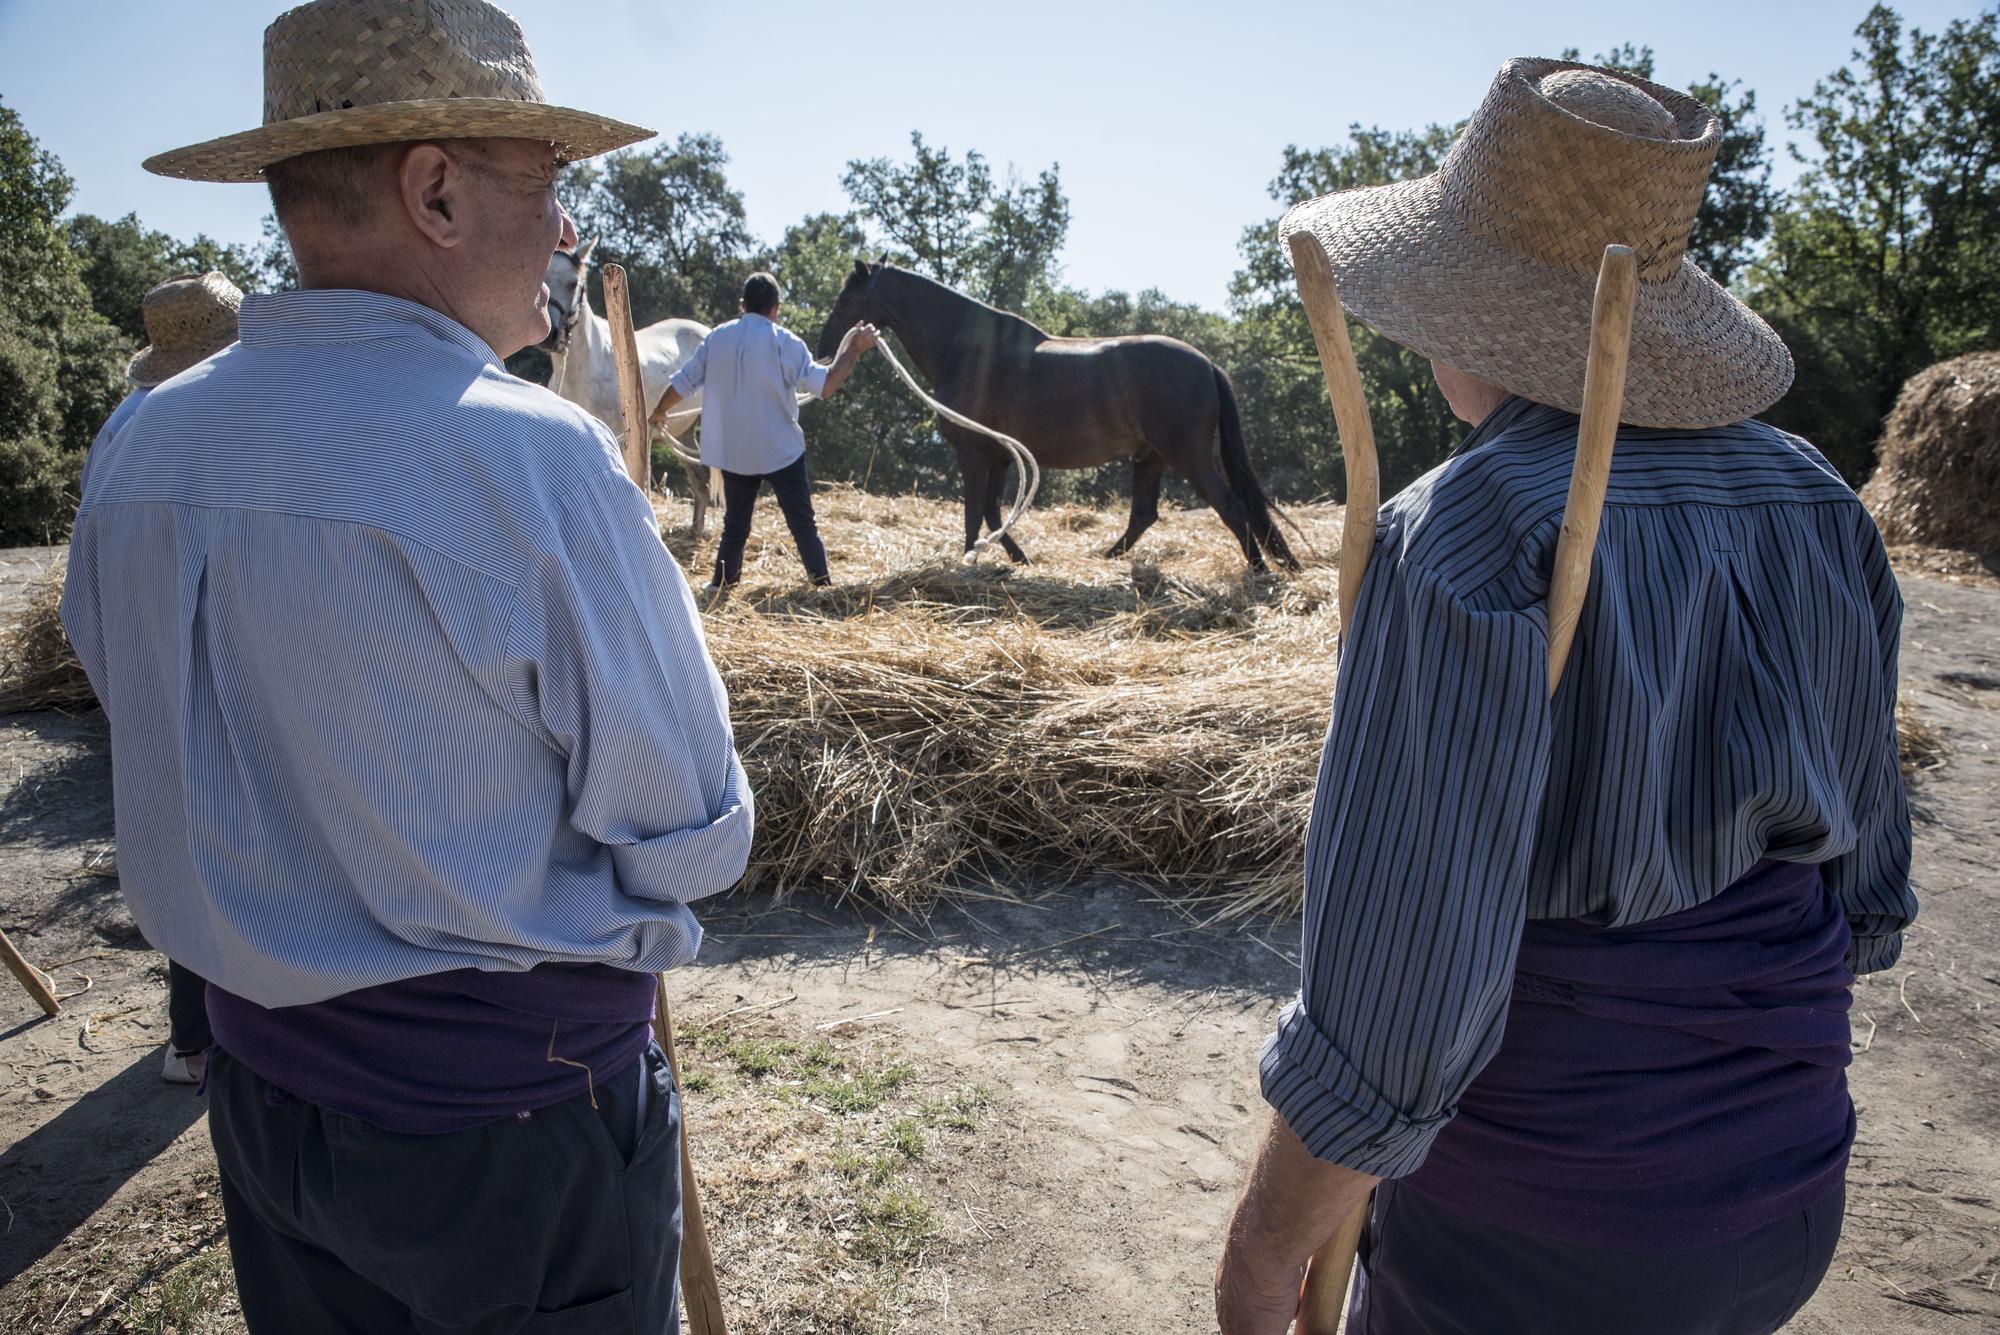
point(187, 1010)
point(1426, 1271)
point(561, 1222)
point(792, 485)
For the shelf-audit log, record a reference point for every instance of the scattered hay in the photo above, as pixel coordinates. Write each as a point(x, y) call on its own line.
point(38, 669)
point(1920, 745)
point(1938, 483)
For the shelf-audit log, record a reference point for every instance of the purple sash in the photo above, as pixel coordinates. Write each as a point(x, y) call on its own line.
point(1673, 1084)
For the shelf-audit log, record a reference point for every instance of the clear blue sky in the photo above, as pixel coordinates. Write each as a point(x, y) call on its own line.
point(1168, 118)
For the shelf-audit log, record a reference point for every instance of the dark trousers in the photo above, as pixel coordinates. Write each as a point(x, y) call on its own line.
point(566, 1220)
point(793, 487)
point(1426, 1271)
point(187, 1010)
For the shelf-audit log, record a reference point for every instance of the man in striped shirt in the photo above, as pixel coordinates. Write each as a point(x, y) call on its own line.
point(418, 753)
point(1576, 968)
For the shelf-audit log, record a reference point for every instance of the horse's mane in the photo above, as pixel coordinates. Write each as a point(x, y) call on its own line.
point(982, 308)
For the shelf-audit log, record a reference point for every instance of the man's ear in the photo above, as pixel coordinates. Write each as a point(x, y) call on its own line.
point(433, 188)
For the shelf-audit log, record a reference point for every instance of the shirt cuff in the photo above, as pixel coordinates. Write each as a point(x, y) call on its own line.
point(814, 379)
point(1332, 1108)
point(679, 384)
point(1872, 954)
point(686, 865)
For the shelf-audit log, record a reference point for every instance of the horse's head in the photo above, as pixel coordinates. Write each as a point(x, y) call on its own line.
point(568, 294)
point(860, 299)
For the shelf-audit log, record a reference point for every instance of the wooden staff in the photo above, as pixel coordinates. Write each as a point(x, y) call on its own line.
point(700, 1293)
point(1325, 1297)
point(30, 977)
point(631, 386)
point(1321, 295)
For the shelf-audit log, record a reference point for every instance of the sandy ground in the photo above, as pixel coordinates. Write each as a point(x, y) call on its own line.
point(1116, 1037)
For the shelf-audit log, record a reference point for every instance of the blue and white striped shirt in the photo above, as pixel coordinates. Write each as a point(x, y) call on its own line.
point(1730, 697)
point(400, 677)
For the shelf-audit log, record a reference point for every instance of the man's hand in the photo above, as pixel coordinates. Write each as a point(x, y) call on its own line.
point(857, 341)
point(658, 418)
point(1290, 1207)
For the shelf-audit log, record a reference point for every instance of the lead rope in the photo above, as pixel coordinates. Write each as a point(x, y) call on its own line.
point(1026, 483)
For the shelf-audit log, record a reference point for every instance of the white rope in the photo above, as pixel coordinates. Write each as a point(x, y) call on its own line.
point(1026, 484)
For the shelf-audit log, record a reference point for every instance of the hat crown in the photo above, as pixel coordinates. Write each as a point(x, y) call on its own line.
point(192, 311)
point(336, 54)
point(1563, 159)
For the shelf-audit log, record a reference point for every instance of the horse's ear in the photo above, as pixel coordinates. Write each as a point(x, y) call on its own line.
point(882, 262)
point(583, 251)
point(860, 268)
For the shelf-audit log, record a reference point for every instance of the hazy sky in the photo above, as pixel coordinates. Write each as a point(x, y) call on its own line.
point(1168, 119)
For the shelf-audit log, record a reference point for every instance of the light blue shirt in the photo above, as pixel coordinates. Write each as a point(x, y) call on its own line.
point(400, 678)
point(750, 372)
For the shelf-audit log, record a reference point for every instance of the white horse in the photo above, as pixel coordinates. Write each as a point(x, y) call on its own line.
point(580, 346)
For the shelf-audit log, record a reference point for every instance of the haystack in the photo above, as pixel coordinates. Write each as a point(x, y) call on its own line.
point(1938, 482)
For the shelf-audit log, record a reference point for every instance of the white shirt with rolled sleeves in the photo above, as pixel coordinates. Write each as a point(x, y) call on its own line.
point(750, 372)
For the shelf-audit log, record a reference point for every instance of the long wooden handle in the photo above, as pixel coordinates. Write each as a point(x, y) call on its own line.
point(30, 977)
point(700, 1294)
point(1603, 399)
point(631, 385)
point(1321, 295)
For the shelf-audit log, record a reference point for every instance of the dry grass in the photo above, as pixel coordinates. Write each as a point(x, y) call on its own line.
point(1939, 480)
point(38, 669)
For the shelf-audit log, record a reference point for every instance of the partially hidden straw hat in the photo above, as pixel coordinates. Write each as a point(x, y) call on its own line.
point(341, 73)
point(188, 319)
point(1490, 263)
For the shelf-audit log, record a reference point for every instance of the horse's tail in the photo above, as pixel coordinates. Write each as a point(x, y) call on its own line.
point(1243, 480)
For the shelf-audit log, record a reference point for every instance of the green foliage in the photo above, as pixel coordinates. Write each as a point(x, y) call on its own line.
point(122, 261)
point(1883, 260)
point(62, 365)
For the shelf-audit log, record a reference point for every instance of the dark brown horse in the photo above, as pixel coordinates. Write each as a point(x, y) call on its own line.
point(1074, 402)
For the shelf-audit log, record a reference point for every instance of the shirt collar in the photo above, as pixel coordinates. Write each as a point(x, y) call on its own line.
point(344, 315)
point(1514, 411)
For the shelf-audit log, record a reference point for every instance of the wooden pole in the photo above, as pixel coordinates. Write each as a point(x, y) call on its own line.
point(1603, 399)
point(1325, 1296)
point(30, 977)
point(631, 387)
point(700, 1294)
point(1321, 295)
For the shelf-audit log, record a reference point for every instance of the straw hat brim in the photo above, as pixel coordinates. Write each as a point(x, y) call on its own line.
point(243, 157)
point(153, 365)
point(1413, 270)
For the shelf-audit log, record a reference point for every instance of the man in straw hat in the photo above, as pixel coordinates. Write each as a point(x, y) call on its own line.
point(419, 755)
point(189, 319)
point(1576, 970)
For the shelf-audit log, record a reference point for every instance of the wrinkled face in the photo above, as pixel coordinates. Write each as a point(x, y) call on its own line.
point(567, 293)
point(853, 306)
point(515, 226)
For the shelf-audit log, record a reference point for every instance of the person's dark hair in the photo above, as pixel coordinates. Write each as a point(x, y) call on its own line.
point(760, 293)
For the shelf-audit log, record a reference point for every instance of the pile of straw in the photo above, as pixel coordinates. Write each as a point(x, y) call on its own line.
point(38, 669)
point(1938, 482)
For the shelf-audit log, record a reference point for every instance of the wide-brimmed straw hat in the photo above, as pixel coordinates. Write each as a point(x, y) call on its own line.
point(1489, 264)
point(341, 73)
point(188, 319)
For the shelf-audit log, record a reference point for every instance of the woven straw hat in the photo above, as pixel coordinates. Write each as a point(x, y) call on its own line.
point(340, 73)
point(188, 319)
point(1489, 265)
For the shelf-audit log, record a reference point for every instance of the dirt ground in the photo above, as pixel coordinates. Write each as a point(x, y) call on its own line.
point(1107, 1042)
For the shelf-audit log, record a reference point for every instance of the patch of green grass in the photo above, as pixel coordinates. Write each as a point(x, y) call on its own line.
point(185, 1298)
point(897, 1225)
point(906, 1138)
point(958, 1110)
point(875, 1170)
point(842, 1091)
point(759, 1057)
point(696, 1082)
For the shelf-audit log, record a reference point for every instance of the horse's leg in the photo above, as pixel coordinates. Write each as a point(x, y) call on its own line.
point(1214, 488)
point(1147, 470)
point(975, 466)
point(996, 482)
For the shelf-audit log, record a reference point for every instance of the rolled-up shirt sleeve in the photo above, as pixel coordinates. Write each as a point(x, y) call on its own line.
point(1417, 857)
point(1871, 882)
point(688, 379)
point(801, 371)
point(620, 682)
